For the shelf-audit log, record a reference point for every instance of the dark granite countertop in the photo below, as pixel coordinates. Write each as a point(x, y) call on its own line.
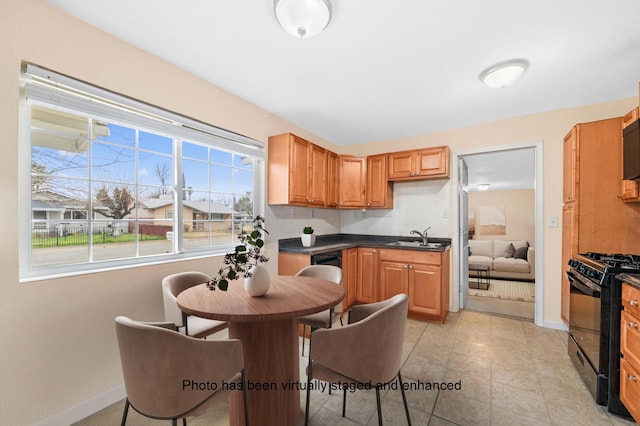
point(633, 279)
point(325, 243)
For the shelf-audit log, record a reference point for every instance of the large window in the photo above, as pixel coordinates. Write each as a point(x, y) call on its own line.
point(114, 182)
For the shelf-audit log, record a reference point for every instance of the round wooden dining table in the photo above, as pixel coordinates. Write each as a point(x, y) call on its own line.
point(268, 329)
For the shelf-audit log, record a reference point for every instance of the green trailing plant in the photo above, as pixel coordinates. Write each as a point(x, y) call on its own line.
point(245, 256)
point(307, 230)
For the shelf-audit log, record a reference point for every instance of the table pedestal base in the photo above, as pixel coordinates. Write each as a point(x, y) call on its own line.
point(273, 373)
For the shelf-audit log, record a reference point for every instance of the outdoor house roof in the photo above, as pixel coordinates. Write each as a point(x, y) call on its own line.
point(200, 206)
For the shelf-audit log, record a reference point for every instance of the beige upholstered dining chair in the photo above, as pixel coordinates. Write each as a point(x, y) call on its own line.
point(164, 370)
point(322, 319)
point(174, 284)
point(366, 351)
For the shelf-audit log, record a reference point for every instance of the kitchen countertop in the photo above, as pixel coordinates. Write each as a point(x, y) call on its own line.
point(325, 243)
point(633, 279)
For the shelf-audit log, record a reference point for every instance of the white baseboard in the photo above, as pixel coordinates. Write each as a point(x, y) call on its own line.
point(555, 325)
point(85, 409)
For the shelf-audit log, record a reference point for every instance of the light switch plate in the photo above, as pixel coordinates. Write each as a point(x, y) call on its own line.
point(553, 221)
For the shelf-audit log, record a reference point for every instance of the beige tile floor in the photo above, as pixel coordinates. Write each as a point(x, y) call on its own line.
point(511, 373)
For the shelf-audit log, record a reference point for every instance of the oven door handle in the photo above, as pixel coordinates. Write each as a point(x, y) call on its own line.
point(584, 285)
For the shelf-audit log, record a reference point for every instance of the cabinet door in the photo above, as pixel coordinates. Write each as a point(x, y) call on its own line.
point(353, 171)
point(349, 277)
point(569, 248)
point(432, 162)
point(570, 166)
point(379, 189)
point(317, 175)
point(367, 287)
point(333, 182)
point(299, 170)
point(393, 279)
point(400, 164)
point(425, 289)
point(630, 388)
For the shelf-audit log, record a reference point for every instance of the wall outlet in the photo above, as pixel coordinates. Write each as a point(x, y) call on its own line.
point(553, 221)
point(445, 214)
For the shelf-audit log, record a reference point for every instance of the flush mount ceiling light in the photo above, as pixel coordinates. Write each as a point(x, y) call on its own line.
point(503, 74)
point(482, 186)
point(303, 18)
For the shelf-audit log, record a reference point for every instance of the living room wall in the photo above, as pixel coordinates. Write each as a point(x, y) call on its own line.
point(519, 212)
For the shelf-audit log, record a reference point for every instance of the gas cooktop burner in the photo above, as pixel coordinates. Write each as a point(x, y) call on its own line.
point(617, 260)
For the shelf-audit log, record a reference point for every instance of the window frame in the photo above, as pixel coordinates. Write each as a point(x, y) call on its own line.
point(40, 86)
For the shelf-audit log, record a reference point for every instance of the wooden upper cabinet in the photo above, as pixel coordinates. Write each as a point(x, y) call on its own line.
point(333, 180)
point(297, 171)
point(630, 189)
point(570, 166)
point(379, 190)
point(419, 164)
point(352, 171)
point(317, 177)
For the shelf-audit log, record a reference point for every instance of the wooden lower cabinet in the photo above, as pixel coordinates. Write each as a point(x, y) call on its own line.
point(367, 283)
point(349, 277)
point(424, 276)
point(630, 350)
point(372, 274)
point(291, 263)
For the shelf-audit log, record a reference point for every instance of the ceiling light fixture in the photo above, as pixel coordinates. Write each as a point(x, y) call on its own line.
point(482, 186)
point(303, 18)
point(503, 74)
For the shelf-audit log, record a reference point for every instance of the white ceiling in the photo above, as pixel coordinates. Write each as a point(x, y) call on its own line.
point(388, 69)
point(503, 170)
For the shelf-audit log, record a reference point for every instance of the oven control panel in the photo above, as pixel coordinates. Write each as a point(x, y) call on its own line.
point(586, 270)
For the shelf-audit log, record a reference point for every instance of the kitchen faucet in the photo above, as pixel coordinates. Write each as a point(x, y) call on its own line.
point(423, 235)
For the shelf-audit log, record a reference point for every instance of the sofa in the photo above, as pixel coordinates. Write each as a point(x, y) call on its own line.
point(513, 260)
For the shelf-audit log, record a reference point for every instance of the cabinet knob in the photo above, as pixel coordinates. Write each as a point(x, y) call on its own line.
point(406, 266)
point(619, 196)
point(633, 302)
point(633, 325)
point(632, 378)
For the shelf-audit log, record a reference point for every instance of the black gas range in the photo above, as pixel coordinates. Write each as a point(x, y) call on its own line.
point(594, 322)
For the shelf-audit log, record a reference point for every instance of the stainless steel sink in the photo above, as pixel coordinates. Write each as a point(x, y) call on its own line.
point(414, 244)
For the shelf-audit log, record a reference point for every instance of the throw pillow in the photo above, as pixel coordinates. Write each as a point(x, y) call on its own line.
point(521, 253)
point(509, 250)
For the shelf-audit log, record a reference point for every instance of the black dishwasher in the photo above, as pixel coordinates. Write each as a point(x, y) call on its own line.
point(333, 257)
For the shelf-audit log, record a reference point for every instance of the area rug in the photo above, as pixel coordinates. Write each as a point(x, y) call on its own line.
point(511, 290)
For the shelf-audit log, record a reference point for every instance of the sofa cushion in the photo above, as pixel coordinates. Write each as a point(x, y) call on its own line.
point(481, 261)
point(521, 253)
point(481, 248)
point(499, 246)
point(503, 264)
point(509, 250)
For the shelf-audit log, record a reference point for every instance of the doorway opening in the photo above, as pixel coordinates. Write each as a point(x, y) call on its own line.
point(499, 207)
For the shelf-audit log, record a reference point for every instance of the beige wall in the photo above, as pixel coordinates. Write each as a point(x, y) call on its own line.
point(58, 340)
point(519, 211)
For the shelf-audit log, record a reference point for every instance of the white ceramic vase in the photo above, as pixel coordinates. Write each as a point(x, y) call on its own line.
point(258, 283)
point(308, 240)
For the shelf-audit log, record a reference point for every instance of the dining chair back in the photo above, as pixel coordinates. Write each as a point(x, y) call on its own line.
point(162, 370)
point(326, 318)
point(172, 286)
point(368, 350)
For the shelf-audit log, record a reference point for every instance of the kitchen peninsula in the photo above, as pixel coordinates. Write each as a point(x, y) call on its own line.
point(377, 267)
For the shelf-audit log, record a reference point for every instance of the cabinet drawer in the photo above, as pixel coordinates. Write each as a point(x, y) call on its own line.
point(630, 299)
point(630, 338)
point(411, 256)
point(630, 388)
